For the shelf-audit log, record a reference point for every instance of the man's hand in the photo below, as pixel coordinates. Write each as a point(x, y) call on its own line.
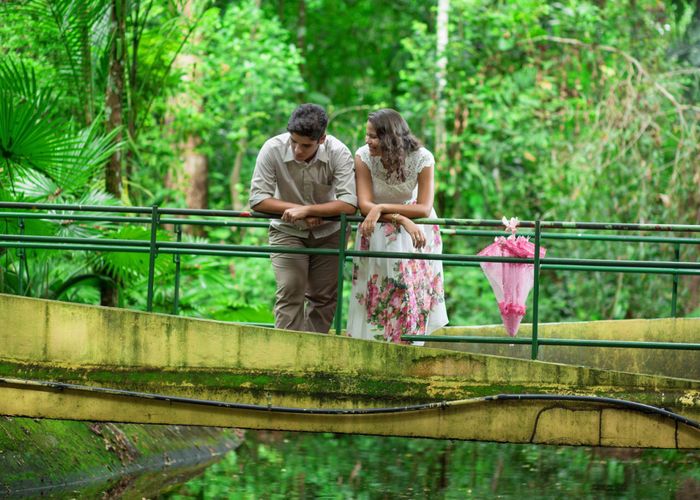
point(313, 221)
point(296, 214)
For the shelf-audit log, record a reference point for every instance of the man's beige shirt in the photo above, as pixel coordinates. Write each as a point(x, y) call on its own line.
point(329, 176)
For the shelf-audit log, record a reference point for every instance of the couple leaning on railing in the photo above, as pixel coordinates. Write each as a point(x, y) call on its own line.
point(305, 175)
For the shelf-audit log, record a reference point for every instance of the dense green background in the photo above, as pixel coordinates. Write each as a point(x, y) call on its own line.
point(580, 110)
point(575, 110)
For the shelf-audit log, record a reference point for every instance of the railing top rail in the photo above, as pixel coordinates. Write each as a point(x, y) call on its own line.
point(607, 226)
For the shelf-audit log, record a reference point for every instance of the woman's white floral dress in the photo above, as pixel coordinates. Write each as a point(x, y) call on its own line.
point(392, 297)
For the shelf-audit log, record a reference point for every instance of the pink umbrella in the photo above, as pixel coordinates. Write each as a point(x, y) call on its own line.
point(510, 282)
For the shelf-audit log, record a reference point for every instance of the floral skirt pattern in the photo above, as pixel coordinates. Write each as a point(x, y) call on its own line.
point(393, 297)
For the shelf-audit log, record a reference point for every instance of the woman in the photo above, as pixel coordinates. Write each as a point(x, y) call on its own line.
point(394, 176)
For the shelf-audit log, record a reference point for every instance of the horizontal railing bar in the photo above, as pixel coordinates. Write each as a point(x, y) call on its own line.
point(266, 249)
point(79, 208)
point(65, 239)
point(554, 341)
point(441, 221)
point(207, 222)
point(609, 269)
point(76, 217)
point(658, 264)
point(586, 237)
point(170, 250)
point(134, 210)
point(141, 248)
point(235, 223)
point(219, 253)
point(323, 251)
point(127, 249)
point(132, 220)
point(613, 269)
point(69, 246)
point(611, 226)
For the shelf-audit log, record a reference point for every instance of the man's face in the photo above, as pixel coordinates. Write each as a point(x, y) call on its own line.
point(304, 148)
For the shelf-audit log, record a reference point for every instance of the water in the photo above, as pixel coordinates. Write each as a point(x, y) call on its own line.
point(297, 465)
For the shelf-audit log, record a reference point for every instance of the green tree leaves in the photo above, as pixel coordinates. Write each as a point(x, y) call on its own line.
point(36, 143)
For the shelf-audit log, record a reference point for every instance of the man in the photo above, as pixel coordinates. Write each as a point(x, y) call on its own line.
point(304, 175)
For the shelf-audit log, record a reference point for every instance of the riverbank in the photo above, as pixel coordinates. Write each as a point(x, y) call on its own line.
point(64, 458)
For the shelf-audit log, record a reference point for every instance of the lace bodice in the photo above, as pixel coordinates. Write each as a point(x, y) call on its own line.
point(391, 190)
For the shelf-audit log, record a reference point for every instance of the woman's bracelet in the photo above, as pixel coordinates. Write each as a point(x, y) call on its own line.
point(393, 219)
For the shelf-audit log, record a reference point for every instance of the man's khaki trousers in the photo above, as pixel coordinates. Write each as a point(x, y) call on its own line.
point(307, 285)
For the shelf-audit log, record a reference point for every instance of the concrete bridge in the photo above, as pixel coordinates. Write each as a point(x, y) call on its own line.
point(77, 362)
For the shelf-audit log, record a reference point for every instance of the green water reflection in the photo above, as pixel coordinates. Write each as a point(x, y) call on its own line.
point(296, 465)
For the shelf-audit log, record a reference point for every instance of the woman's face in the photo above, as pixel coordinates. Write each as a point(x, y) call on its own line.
point(372, 141)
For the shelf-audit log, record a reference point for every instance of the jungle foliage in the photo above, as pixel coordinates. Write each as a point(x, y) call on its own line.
point(575, 110)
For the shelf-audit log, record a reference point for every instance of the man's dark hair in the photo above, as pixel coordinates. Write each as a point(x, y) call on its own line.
point(309, 120)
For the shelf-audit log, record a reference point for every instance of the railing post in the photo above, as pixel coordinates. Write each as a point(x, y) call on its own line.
point(536, 292)
point(22, 253)
point(153, 253)
point(176, 260)
point(341, 267)
point(674, 293)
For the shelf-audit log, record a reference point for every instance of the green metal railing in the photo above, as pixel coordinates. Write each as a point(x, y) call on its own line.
point(156, 217)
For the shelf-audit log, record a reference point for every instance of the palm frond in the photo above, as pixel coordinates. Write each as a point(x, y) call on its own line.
point(31, 139)
point(81, 26)
point(124, 267)
point(19, 80)
point(69, 227)
point(35, 186)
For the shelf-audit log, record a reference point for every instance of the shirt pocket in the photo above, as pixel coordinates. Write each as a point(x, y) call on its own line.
point(322, 192)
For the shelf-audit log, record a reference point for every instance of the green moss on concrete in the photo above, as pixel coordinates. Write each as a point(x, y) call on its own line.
point(333, 389)
point(39, 455)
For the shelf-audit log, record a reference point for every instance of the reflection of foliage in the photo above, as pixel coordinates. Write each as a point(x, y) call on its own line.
point(336, 466)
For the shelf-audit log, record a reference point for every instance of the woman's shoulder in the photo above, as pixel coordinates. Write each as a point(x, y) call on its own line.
point(422, 157)
point(363, 153)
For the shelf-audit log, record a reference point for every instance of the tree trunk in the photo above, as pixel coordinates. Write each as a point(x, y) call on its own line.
point(235, 178)
point(192, 178)
point(114, 106)
point(301, 34)
point(109, 294)
point(441, 78)
point(115, 94)
point(442, 37)
point(131, 86)
point(196, 169)
point(86, 69)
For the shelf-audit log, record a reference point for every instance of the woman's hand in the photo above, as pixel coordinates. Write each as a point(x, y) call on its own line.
point(414, 231)
point(367, 226)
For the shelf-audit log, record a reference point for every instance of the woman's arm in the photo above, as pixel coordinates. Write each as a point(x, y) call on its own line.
point(421, 209)
point(365, 199)
point(424, 201)
point(392, 212)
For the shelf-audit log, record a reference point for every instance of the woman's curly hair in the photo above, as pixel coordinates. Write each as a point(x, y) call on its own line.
point(396, 141)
